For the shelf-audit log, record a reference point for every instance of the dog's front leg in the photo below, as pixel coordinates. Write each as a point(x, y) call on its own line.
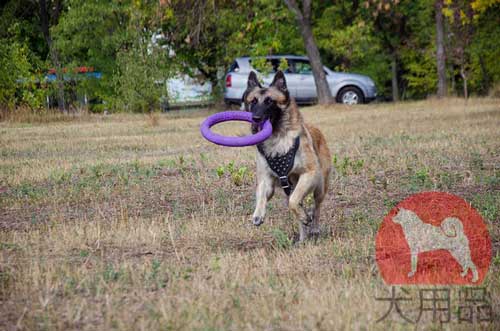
point(414, 260)
point(319, 196)
point(304, 186)
point(265, 191)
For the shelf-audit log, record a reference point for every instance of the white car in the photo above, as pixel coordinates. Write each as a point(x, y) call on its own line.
point(345, 87)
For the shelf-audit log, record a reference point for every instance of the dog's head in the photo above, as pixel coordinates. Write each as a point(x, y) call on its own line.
point(403, 216)
point(266, 103)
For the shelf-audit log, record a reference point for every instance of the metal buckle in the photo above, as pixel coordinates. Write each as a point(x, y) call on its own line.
point(284, 182)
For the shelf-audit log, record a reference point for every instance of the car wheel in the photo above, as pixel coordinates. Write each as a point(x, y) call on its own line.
point(350, 96)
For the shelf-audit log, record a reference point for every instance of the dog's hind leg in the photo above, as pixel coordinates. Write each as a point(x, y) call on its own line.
point(319, 196)
point(465, 271)
point(303, 188)
point(265, 191)
point(473, 269)
point(463, 258)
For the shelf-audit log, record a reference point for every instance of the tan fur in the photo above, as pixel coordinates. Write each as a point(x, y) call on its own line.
point(321, 149)
point(271, 92)
point(311, 170)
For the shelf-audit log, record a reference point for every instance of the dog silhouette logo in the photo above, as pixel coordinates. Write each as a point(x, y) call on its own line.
point(423, 237)
point(433, 238)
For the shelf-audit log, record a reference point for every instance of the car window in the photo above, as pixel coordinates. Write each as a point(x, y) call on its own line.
point(274, 64)
point(271, 65)
point(234, 67)
point(302, 67)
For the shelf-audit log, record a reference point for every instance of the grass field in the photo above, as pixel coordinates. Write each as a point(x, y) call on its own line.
point(130, 222)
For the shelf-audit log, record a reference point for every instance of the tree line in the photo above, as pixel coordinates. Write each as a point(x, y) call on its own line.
point(412, 49)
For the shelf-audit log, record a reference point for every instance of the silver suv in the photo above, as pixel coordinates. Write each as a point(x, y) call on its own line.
point(346, 88)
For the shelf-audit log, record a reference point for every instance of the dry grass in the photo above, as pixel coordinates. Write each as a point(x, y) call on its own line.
point(130, 222)
point(27, 115)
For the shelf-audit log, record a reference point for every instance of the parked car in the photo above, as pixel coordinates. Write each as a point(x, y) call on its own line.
point(347, 88)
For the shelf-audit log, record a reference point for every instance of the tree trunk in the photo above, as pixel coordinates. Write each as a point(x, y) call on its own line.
point(440, 53)
point(451, 69)
point(322, 88)
point(59, 79)
point(394, 74)
point(54, 55)
point(486, 79)
point(464, 77)
point(303, 18)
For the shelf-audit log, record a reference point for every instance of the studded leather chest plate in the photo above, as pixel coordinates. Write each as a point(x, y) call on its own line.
point(281, 165)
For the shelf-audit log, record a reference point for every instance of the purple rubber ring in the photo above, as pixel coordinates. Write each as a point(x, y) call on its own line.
point(263, 134)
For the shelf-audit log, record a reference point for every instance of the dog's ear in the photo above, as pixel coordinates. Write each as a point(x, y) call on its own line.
point(395, 218)
point(253, 81)
point(279, 82)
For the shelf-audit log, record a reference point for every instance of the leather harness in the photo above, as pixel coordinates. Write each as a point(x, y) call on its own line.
point(281, 165)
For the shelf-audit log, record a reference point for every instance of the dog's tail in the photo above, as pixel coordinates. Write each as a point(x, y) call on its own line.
point(452, 227)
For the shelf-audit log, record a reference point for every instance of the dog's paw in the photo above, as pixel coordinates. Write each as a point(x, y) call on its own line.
point(307, 220)
point(258, 220)
point(314, 233)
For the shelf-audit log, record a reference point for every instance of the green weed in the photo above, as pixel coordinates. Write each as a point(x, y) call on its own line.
point(496, 259)
point(346, 166)
point(488, 205)
point(84, 253)
point(30, 191)
point(238, 175)
point(110, 274)
point(281, 238)
point(476, 161)
point(447, 180)
point(420, 180)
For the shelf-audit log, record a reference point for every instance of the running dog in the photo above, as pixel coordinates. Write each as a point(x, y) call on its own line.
point(295, 157)
point(424, 237)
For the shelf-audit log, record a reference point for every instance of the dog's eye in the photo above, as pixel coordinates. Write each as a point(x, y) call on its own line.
point(268, 101)
point(254, 101)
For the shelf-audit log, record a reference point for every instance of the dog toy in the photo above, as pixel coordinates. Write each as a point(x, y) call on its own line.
point(265, 129)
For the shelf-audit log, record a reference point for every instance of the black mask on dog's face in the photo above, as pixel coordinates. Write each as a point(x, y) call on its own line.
point(266, 103)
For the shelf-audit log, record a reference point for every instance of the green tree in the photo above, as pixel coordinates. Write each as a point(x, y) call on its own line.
point(418, 50)
point(91, 33)
point(116, 37)
point(143, 67)
point(49, 14)
point(348, 43)
point(484, 51)
point(463, 17)
point(390, 23)
point(15, 66)
point(22, 50)
point(207, 36)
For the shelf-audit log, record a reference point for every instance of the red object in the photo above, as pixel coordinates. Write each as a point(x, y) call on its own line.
point(436, 266)
point(79, 70)
point(228, 81)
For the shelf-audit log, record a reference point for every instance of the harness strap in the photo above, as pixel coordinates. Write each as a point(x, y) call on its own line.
point(281, 165)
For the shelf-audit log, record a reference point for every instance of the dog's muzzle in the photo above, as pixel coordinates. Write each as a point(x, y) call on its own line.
point(256, 119)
